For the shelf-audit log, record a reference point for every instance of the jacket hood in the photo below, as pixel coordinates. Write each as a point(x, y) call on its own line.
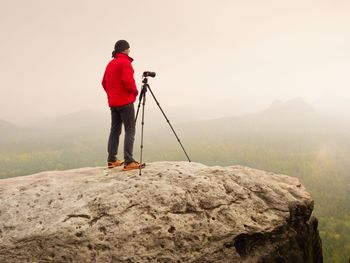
point(122, 55)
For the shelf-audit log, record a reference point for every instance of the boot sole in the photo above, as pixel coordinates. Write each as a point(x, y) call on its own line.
point(110, 167)
point(113, 166)
point(134, 168)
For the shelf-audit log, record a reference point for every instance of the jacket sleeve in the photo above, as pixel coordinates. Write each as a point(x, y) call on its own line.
point(128, 79)
point(104, 81)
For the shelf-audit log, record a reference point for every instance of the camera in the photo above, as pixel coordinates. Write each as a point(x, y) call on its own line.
point(149, 74)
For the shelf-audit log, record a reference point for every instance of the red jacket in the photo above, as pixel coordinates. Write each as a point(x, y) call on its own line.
point(118, 81)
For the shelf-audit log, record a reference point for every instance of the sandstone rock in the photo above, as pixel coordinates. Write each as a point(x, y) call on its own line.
point(173, 212)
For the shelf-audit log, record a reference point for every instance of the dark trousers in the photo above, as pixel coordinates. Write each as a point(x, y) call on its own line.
point(122, 115)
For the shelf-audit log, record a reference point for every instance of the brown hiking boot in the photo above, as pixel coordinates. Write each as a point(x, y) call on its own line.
point(115, 164)
point(133, 165)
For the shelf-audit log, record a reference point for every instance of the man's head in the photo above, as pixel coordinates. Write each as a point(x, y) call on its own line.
point(121, 46)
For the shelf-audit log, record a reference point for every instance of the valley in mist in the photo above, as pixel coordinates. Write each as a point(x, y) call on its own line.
point(288, 137)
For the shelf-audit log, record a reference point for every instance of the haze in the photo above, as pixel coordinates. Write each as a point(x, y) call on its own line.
point(212, 58)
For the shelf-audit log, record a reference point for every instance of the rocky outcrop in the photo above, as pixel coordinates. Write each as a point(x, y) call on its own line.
point(173, 212)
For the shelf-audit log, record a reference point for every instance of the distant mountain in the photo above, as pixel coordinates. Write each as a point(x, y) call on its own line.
point(7, 126)
point(91, 123)
point(10, 131)
point(296, 108)
point(296, 115)
point(85, 120)
point(293, 116)
point(98, 121)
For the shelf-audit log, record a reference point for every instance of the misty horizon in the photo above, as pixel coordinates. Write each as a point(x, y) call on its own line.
point(293, 111)
point(178, 113)
point(234, 61)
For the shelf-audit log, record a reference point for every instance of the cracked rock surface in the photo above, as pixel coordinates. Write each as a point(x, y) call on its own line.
point(174, 212)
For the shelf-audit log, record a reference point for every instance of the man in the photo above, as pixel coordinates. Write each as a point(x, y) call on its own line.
point(119, 84)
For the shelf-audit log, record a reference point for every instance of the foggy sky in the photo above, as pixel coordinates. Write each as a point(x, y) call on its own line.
point(213, 58)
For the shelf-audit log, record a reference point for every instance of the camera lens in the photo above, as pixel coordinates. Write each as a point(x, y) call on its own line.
point(149, 74)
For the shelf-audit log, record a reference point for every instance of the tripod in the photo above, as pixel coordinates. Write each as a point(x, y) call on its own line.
point(142, 98)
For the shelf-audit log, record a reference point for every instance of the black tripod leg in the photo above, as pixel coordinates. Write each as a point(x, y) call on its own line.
point(140, 99)
point(142, 125)
point(169, 123)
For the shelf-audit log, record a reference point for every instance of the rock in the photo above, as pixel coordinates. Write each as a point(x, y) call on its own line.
point(173, 212)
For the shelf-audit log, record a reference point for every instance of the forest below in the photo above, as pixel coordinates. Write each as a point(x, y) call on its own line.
point(321, 161)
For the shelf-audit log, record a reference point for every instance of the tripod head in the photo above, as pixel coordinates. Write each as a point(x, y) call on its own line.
point(145, 86)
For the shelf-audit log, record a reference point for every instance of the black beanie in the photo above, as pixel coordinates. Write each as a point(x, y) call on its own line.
point(120, 46)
